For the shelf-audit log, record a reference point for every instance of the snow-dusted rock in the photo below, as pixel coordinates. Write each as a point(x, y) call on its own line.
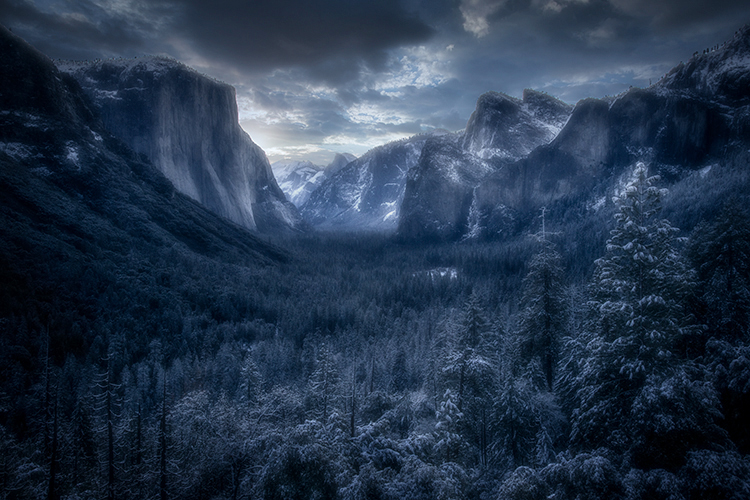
point(366, 193)
point(298, 179)
point(187, 125)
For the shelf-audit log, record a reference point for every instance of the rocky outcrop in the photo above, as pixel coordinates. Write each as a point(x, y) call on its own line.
point(187, 125)
point(72, 193)
point(438, 199)
point(440, 191)
point(697, 116)
point(507, 128)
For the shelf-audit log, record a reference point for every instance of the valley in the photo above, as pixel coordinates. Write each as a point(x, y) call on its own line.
point(552, 303)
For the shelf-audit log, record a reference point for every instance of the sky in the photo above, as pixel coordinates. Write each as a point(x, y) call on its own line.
point(319, 77)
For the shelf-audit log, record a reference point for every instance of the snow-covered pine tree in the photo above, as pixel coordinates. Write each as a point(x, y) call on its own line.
point(469, 368)
point(323, 387)
point(449, 444)
point(639, 293)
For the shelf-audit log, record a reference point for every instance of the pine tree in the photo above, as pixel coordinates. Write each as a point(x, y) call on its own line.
point(449, 423)
point(639, 294)
point(324, 384)
point(543, 311)
point(469, 369)
point(721, 254)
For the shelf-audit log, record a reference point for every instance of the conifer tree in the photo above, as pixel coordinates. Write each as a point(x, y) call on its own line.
point(639, 292)
point(543, 311)
point(324, 384)
point(721, 254)
point(469, 367)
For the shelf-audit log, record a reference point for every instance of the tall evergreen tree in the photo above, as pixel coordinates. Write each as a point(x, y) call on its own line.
point(469, 368)
point(543, 311)
point(721, 254)
point(324, 384)
point(639, 294)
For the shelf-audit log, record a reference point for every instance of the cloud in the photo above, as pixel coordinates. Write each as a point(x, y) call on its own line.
point(314, 74)
point(334, 39)
point(476, 14)
point(85, 31)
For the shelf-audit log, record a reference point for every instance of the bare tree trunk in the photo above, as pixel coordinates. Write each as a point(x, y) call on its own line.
point(52, 485)
point(163, 446)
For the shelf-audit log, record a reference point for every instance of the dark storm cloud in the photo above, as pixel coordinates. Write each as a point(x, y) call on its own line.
point(581, 48)
point(333, 38)
point(84, 32)
point(318, 72)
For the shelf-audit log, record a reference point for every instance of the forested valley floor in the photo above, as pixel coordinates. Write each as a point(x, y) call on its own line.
point(358, 367)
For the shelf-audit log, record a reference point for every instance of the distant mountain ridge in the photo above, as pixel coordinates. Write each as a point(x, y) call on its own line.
point(695, 117)
point(367, 193)
point(187, 125)
point(389, 184)
point(298, 179)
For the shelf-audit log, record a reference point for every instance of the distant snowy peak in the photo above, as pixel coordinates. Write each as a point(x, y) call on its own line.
point(507, 128)
point(298, 179)
point(340, 161)
point(367, 192)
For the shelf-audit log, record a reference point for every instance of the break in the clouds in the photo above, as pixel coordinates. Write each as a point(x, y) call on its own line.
point(315, 77)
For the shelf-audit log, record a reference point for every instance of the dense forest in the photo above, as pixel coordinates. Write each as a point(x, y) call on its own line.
point(361, 367)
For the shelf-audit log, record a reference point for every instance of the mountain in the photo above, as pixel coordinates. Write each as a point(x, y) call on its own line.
point(697, 117)
point(298, 179)
point(366, 193)
point(187, 125)
point(440, 189)
point(508, 128)
point(72, 196)
point(380, 190)
point(439, 193)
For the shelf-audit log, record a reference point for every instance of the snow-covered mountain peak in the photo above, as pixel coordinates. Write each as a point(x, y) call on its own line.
point(299, 178)
point(507, 128)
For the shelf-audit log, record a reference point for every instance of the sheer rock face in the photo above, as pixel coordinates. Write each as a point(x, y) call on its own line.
point(507, 128)
point(187, 125)
point(439, 195)
point(440, 191)
point(71, 191)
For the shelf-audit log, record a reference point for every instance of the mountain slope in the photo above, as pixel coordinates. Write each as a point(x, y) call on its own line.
point(71, 192)
point(696, 118)
point(438, 197)
point(187, 125)
point(508, 128)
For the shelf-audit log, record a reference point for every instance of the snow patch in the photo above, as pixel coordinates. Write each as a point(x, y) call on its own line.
point(17, 150)
point(704, 171)
point(72, 155)
point(598, 204)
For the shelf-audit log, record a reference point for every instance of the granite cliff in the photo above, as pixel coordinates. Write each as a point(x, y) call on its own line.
point(187, 125)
